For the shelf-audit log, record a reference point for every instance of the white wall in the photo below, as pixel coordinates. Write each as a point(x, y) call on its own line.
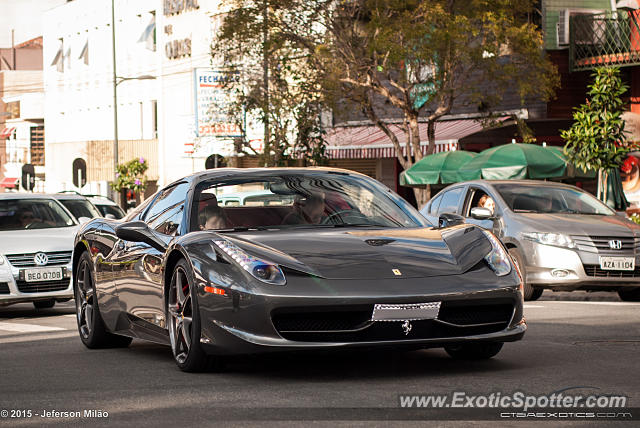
point(79, 100)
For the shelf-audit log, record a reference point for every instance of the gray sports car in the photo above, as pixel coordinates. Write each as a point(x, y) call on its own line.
point(333, 259)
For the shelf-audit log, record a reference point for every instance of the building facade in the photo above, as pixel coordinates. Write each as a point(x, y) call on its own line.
point(163, 63)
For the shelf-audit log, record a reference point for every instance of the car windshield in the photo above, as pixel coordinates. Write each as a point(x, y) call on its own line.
point(551, 199)
point(114, 210)
point(32, 214)
point(81, 208)
point(306, 200)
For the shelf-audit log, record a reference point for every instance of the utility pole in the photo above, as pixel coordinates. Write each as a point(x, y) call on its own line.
point(13, 48)
point(115, 91)
point(265, 77)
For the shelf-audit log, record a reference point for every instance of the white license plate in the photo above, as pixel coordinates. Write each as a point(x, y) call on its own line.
point(43, 274)
point(410, 312)
point(617, 263)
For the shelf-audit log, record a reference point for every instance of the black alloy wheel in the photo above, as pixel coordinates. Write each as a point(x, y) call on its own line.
point(93, 332)
point(184, 320)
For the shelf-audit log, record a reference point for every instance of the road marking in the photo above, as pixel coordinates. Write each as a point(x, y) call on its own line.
point(27, 328)
point(70, 315)
point(594, 303)
point(532, 306)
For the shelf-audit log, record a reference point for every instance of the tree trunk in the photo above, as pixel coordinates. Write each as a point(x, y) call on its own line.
point(422, 194)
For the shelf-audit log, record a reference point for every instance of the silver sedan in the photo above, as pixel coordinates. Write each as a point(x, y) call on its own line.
point(36, 243)
point(561, 237)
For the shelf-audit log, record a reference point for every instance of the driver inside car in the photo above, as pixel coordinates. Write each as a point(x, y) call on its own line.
point(306, 210)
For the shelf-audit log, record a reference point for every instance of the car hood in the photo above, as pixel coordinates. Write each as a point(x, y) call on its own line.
point(370, 254)
point(34, 240)
point(578, 224)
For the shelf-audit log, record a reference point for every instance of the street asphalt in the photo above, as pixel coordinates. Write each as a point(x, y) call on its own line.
point(576, 341)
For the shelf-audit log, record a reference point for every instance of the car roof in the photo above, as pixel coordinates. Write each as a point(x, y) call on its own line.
point(517, 182)
point(101, 200)
point(25, 195)
point(68, 196)
point(253, 172)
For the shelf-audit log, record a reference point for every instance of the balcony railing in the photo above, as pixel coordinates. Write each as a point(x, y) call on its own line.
point(611, 38)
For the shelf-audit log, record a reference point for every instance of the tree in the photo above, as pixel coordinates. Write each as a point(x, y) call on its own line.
point(417, 58)
point(596, 140)
point(131, 175)
point(277, 82)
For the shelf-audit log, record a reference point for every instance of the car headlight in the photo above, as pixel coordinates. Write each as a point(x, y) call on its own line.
point(555, 239)
point(498, 259)
point(260, 269)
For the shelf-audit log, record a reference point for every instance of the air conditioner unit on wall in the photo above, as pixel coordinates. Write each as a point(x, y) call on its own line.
point(562, 26)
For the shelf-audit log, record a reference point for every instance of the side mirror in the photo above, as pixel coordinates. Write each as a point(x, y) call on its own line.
point(83, 220)
point(138, 231)
point(448, 219)
point(480, 213)
point(110, 217)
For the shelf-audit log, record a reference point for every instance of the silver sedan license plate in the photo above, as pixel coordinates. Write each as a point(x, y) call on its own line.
point(413, 311)
point(617, 263)
point(42, 274)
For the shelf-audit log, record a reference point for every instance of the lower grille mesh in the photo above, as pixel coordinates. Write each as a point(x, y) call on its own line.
point(41, 287)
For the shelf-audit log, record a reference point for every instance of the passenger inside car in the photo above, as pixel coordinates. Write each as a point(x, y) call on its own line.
point(487, 202)
point(211, 215)
point(306, 210)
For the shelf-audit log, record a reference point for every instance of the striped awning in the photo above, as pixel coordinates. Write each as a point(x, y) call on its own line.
point(6, 132)
point(366, 142)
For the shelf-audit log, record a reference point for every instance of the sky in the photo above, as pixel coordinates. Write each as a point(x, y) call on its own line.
point(23, 16)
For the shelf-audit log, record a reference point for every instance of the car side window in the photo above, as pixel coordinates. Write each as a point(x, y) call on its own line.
point(433, 206)
point(167, 212)
point(450, 201)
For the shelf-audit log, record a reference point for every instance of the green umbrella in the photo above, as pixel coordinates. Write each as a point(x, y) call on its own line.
point(615, 194)
point(436, 168)
point(513, 161)
point(572, 171)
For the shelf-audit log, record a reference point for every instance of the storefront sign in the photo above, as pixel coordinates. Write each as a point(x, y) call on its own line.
point(178, 48)
point(173, 7)
point(212, 104)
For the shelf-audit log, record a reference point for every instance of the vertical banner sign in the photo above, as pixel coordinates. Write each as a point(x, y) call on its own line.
point(212, 101)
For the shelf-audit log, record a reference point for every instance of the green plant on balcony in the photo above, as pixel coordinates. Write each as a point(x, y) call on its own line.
point(131, 175)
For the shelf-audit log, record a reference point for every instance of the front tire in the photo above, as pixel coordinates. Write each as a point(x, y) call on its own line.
point(474, 351)
point(92, 331)
point(530, 292)
point(184, 320)
point(629, 294)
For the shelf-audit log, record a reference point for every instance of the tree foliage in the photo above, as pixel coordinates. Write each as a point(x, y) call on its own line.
point(287, 96)
point(409, 60)
point(131, 175)
point(596, 140)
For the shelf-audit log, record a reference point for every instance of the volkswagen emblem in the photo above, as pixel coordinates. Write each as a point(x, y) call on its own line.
point(615, 244)
point(40, 259)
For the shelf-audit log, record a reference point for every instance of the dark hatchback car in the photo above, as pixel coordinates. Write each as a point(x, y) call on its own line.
point(561, 237)
point(78, 205)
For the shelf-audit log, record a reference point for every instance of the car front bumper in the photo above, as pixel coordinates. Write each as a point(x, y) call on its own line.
point(572, 269)
point(13, 288)
point(246, 322)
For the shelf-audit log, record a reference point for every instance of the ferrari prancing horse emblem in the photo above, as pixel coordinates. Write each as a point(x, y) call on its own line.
point(406, 327)
point(396, 272)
